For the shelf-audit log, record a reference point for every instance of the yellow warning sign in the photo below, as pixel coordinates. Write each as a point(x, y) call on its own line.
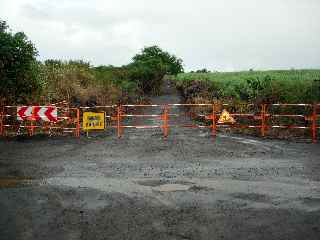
point(93, 121)
point(225, 117)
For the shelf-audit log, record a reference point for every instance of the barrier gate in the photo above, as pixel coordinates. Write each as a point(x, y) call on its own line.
point(66, 122)
point(263, 118)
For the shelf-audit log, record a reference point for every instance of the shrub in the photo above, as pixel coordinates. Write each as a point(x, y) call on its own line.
point(150, 66)
point(19, 72)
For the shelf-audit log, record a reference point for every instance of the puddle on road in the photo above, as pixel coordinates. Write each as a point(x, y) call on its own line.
point(152, 182)
point(14, 182)
point(172, 187)
point(166, 185)
point(117, 185)
point(99, 183)
point(158, 182)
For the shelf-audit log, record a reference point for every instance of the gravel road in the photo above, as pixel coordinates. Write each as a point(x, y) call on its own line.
point(142, 186)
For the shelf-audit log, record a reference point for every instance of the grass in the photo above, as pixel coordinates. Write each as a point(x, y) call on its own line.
point(292, 86)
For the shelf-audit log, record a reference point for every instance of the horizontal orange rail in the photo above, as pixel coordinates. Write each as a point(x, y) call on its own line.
point(46, 127)
point(263, 117)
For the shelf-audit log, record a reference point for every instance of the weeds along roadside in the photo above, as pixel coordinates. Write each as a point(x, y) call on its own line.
point(257, 87)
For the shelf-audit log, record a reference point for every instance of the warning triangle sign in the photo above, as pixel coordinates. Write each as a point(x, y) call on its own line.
point(225, 117)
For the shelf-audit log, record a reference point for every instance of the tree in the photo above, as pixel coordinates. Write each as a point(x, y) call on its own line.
point(19, 78)
point(204, 70)
point(151, 65)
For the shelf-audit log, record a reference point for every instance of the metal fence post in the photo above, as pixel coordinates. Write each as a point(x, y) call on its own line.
point(165, 122)
point(119, 122)
point(78, 122)
point(1, 121)
point(214, 126)
point(314, 128)
point(32, 118)
point(263, 120)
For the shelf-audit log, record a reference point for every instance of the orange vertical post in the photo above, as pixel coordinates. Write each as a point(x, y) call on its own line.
point(165, 122)
point(31, 132)
point(4, 121)
point(78, 123)
point(119, 122)
point(1, 121)
point(314, 124)
point(214, 126)
point(263, 120)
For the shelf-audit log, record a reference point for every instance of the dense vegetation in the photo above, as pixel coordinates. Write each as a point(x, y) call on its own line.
point(291, 86)
point(150, 66)
point(24, 80)
point(75, 82)
point(19, 72)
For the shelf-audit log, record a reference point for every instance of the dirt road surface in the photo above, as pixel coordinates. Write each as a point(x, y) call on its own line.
point(142, 186)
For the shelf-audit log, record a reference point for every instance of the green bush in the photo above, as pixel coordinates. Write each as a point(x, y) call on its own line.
point(117, 76)
point(19, 71)
point(150, 66)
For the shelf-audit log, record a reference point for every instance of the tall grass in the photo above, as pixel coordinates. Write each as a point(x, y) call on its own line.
point(76, 82)
point(292, 86)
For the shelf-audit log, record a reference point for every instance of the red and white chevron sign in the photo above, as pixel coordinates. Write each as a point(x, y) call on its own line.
point(36, 113)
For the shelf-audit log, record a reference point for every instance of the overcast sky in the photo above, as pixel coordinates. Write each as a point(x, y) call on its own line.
point(222, 35)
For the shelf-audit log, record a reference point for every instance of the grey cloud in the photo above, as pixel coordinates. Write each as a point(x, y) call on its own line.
point(221, 35)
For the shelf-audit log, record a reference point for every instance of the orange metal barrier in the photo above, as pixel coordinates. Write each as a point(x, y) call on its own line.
point(263, 117)
point(310, 119)
point(68, 122)
point(125, 112)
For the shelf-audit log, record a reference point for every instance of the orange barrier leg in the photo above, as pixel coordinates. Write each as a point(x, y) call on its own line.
point(32, 122)
point(214, 125)
point(165, 122)
point(314, 124)
point(30, 129)
point(119, 122)
point(263, 120)
point(78, 123)
point(1, 122)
